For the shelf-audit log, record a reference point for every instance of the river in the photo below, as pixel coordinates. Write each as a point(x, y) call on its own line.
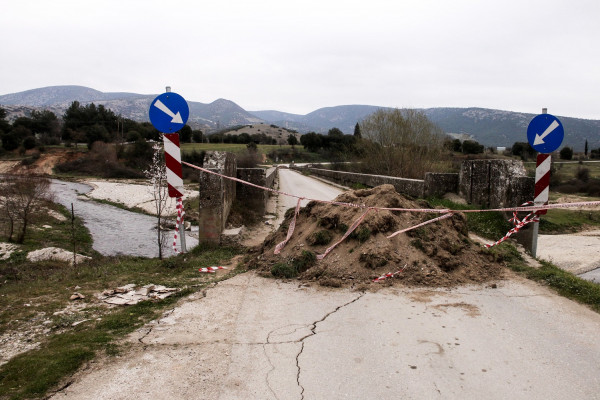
point(115, 231)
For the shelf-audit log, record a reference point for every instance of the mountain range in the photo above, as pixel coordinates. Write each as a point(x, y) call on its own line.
point(489, 127)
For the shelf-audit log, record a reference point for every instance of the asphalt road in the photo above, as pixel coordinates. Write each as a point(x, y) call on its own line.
point(295, 183)
point(257, 338)
point(578, 253)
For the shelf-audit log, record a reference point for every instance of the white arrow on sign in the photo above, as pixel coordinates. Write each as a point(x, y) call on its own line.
point(176, 117)
point(539, 139)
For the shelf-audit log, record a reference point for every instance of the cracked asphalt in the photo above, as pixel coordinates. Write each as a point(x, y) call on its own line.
point(256, 338)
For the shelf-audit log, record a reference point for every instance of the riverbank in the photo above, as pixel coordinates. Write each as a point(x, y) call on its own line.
point(132, 194)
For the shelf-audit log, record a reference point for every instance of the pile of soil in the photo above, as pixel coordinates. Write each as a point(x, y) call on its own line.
point(438, 254)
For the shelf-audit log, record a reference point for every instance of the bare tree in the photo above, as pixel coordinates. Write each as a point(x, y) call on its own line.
point(157, 177)
point(401, 143)
point(21, 197)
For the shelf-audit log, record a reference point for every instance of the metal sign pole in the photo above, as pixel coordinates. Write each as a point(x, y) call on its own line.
point(540, 196)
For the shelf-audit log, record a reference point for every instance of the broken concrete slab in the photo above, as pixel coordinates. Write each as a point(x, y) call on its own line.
point(129, 295)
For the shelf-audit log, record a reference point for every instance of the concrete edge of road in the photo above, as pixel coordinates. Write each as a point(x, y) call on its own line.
point(326, 181)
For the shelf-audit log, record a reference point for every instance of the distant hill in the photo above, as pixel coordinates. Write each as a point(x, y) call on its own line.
point(220, 113)
point(280, 134)
point(57, 95)
point(503, 128)
point(489, 127)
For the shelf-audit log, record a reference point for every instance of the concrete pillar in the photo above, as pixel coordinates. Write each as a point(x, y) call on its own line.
point(216, 195)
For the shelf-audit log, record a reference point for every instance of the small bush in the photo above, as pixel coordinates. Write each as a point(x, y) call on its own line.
point(583, 174)
point(283, 270)
point(362, 234)
point(417, 244)
point(306, 260)
point(321, 237)
point(298, 265)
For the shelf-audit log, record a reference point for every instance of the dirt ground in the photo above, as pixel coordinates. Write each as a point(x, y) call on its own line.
point(440, 254)
point(42, 165)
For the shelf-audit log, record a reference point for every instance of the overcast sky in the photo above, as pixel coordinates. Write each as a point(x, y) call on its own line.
point(299, 56)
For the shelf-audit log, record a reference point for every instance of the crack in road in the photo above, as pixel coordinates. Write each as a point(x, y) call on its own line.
point(313, 329)
point(151, 327)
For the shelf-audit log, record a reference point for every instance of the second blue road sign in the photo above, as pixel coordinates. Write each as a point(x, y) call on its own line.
point(545, 133)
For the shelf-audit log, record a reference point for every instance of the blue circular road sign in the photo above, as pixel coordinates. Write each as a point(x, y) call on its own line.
point(169, 112)
point(545, 133)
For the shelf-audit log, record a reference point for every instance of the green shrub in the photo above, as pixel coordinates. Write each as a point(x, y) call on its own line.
point(298, 265)
point(283, 270)
point(321, 237)
point(361, 234)
point(306, 260)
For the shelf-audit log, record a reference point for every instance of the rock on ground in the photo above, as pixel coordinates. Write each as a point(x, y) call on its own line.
point(55, 253)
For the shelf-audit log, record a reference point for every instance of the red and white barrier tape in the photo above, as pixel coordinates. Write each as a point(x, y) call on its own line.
point(210, 270)
point(180, 214)
point(348, 232)
point(447, 212)
point(290, 229)
point(518, 224)
point(421, 224)
point(389, 275)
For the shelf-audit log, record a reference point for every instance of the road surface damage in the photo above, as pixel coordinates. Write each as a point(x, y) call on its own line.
point(439, 254)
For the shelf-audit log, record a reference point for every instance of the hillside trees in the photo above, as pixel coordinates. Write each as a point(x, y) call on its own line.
point(44, 124)
point(401, 143)
point(357, 133)
point(197, 136)
point(334, 145)
point(292, 140)
point(523, 150)
point(4, 125)
point(566, 153)
point(185, 134)
point(472, 147)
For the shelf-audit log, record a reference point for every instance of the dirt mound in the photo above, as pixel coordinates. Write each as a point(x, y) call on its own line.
point(438, 254)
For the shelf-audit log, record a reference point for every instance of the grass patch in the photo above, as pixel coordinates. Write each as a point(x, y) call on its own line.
point(296, 266)
point(565, 283)
point(283, 270)
point(566, 221)
point(361, 234)
point(37, 371)
point(489, 224)
point(321, 237)
point(358, 186)
point(493, 225)
point(30, 293)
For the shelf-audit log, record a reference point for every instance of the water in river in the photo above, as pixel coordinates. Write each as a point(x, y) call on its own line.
point(115, 231)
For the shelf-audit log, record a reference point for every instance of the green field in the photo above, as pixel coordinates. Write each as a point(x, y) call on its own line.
point(568, 169)
point(234, 147)
point(285, 153)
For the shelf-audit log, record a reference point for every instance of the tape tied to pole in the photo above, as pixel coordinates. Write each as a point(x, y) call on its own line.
point(518, 224)
point(180, 214)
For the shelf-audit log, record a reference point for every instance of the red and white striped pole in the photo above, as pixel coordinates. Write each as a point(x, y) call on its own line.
point(175, 177)
point(542, 188)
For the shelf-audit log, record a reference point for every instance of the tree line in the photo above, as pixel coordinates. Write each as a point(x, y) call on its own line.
point(79, 124)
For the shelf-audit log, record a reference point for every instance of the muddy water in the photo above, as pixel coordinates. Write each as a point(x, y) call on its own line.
point(115, 231)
